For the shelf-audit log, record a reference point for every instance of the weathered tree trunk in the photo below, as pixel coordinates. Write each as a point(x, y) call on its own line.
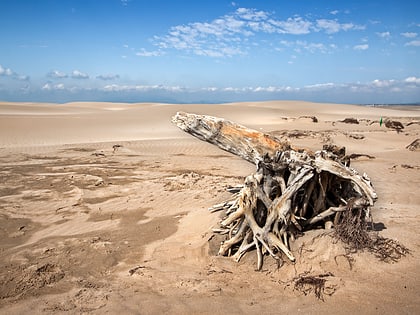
point(292, 190)
point(249, 144)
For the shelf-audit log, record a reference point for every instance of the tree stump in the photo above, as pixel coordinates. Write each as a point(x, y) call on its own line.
point(292, 190)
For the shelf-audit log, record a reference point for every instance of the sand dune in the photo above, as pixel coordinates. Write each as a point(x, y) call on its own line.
point(104, 209)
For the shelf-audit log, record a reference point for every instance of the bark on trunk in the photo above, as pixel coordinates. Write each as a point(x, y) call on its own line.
point(247, 143)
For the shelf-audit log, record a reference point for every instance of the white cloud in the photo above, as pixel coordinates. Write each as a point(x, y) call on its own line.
point(334, 12)
point(76, 74)
point(295, 26)
point(415, 43)
point(177, 89)
point(412, 80)
point(145, 53)
point(115, 88)
point(272, 89)
point(379, 90)
point(140, 88)
point(52, 87)
point(107, 77)
point(21, 77)
point(382, 83)
point(233, 34)
point(333, 26)
point(312, 47)
point(320, 86)
point(55, 74)
point(330, 26)
point(211, 39)
point(409, 34)
point(250, 89)
point(6, 71)
point(223, 51)
point(368, 87)
point(410, 84)
point(251, 14)
point(361, 47)
point(385, 35)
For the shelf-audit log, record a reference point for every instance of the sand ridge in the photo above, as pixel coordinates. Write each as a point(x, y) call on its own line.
point(104, 209)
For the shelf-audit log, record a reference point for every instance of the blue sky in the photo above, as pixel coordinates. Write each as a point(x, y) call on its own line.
point(210, 51)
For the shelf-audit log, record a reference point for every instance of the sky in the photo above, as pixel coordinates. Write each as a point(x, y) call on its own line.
point(357, 52)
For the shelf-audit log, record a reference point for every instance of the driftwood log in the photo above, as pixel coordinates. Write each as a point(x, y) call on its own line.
point(292, 190)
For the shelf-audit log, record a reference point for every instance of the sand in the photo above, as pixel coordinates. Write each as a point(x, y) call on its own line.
point(103, 209)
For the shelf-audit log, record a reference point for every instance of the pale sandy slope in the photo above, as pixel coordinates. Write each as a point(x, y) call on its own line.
point(76, 214)
point(26, 124)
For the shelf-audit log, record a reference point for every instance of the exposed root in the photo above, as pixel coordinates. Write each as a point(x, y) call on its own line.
point(288, 194)
point(316, 284)
point(387, 250)
point(352, 229)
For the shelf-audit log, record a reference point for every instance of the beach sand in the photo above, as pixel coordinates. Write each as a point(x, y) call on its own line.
point(104, 209)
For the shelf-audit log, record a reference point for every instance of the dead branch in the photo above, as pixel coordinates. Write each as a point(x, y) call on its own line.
point(394, 124)
point(316, 284)
point(350, 121)
point(414, 146)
